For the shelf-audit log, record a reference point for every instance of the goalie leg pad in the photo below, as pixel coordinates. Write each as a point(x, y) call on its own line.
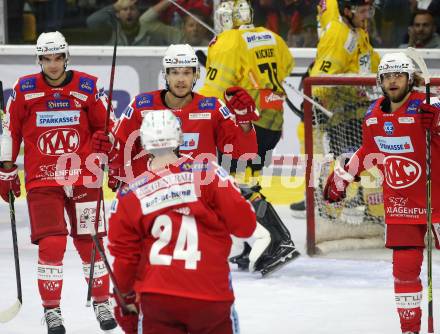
point(407, 263)
point(281, 249)
point(46, 216)
point(268, 217)
point(101, 283)
point(262, 241)
point(50, 269)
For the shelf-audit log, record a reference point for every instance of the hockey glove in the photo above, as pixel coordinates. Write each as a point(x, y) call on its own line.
point(113, 182)
point(337, 183)
point(9, 180)
point(128, 321)
point(430, 117)
point(102, 143)
point(241, 104)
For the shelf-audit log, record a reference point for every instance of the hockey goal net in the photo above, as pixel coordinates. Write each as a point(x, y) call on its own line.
point(334, 129)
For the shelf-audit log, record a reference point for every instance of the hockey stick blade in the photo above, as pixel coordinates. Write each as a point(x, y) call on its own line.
point(417, 58)
point(11, 312)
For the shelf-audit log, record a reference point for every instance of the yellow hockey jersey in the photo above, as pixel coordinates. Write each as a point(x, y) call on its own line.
point(341, 49)
point(257, 60)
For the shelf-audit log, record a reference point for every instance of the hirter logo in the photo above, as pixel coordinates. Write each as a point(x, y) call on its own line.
point(401, 172)
point(58, 104)
point(58, 141)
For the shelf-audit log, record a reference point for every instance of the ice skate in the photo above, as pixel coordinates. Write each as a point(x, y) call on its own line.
point(54, 321)
point(104, 315)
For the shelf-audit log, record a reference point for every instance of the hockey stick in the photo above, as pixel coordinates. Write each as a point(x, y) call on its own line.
point(126, 308)
point(9, 313)
point(326, 112)
point(100, 193)
point(193, 16)
point(417, 58)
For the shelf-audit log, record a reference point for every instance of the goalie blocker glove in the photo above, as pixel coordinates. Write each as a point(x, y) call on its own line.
point(241, 104)
point(9, 180)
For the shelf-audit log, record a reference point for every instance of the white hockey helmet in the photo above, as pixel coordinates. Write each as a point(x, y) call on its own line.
point(160, 129)
point(396, 62)
point(180, 55)
point(52, 43)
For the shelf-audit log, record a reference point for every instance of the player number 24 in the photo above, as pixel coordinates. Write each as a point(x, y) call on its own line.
point(188, 236)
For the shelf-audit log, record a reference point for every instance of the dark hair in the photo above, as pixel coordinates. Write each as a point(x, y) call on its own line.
point(418, 80)
point(422, 12)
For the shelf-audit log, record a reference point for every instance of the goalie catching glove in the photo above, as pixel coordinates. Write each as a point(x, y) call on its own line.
point(241, 104)
point(9, 180)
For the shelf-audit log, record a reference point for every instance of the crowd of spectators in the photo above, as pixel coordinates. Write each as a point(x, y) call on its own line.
point(397, 23)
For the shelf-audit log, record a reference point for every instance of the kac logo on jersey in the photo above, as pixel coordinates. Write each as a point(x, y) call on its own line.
point(190, 142)
point(389, 128)
point(58, 104)
point(401, 172)
point(207, 103)
point(58, 141)
point(28, 84)
point(144, 100)
point(86, 85)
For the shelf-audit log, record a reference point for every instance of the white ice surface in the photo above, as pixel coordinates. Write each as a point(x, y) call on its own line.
point(348, 292)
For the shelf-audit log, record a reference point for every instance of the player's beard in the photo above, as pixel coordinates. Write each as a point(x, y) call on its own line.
point(396, 98)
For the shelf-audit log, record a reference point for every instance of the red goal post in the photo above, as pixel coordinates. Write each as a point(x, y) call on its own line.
point(349, 94)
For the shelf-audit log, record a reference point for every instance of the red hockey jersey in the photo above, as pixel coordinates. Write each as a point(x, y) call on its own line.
point(56, 124)
point(399, 139)
point(173, 228)
point(206, 125)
